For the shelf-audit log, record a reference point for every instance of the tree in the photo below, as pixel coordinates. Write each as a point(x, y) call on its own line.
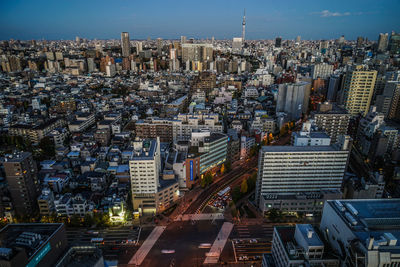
point(236, 195)
point(47, 146)
point(251, 182)
point(243, 186)
point(228, 166)
point(223, 168)
point(208, 178)
point(273, 214)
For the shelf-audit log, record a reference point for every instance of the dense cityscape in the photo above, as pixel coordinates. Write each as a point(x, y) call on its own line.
point(200, 151)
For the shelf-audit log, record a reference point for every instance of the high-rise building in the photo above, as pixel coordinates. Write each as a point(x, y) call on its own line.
point(389, 102)
point(298, 39)
point(394, 43)
point(278, 42)
point(322, 70)
point(333, 87)
point(332, 119)
point(125, 44)
point(293, 99)
point(197, 52)
point(363, 232)
point(288, 175)
point(159, 46)
point(358, 88)
point(21, 175)
point(383, 42)
point(237, 44)
point(183, 39)
point(139, 47)
point(145, 168)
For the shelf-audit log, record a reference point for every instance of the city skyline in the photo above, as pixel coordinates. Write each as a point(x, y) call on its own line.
point(264, 20)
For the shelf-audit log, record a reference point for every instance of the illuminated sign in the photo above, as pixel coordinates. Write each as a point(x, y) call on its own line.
point(39, 256)
point(191, 170)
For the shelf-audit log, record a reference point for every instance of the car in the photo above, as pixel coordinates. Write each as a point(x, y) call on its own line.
point(253, 241)
point(168, 251)
point(205, 245)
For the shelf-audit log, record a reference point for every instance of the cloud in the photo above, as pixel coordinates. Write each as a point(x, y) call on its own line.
point(327, 13)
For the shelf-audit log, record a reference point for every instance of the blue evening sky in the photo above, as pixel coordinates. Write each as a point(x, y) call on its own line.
point(266, 19)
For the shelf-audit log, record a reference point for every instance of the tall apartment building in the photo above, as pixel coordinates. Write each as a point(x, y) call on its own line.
point(300, 178)
point(363, 232)
point(150, 192)
point(389, 102)
point(204, 82)
point(358, 88)
point(125, 45)
point(21, 175)
point(197, 52)
point(145, 168)
point(332, 119)
point(383, 41)
point(293, 99)
point(322, 70)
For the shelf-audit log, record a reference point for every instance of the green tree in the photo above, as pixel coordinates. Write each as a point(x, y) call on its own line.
point(243, 187)
point(251, 182)
point(236, 195)
point(47, 146)
point(273, 214)
point(75, 220)
point(208, 178)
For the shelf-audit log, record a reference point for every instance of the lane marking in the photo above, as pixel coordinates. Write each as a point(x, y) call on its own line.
point(145, 248)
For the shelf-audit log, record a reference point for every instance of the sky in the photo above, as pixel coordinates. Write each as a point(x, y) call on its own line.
point(169, 19)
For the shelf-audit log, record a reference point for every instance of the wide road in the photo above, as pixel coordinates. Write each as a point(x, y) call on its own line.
point(224, 181)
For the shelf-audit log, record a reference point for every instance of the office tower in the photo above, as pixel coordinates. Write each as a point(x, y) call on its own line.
point(237, 44)
point(360, 41)
point(293, 99)
point(244, 26)
point(358, 88)
point(278, 42)
point(298, 39)
point(389, 102)
point(332, 119)
point(322, 70)
point(125, 44)
point(139, 47)
point(288, 175)
point(363, 232)
point(394, 43)
point(21, 175)
point(78, 40)
point(159, 46)
point(183, 39)
point(383, 42)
